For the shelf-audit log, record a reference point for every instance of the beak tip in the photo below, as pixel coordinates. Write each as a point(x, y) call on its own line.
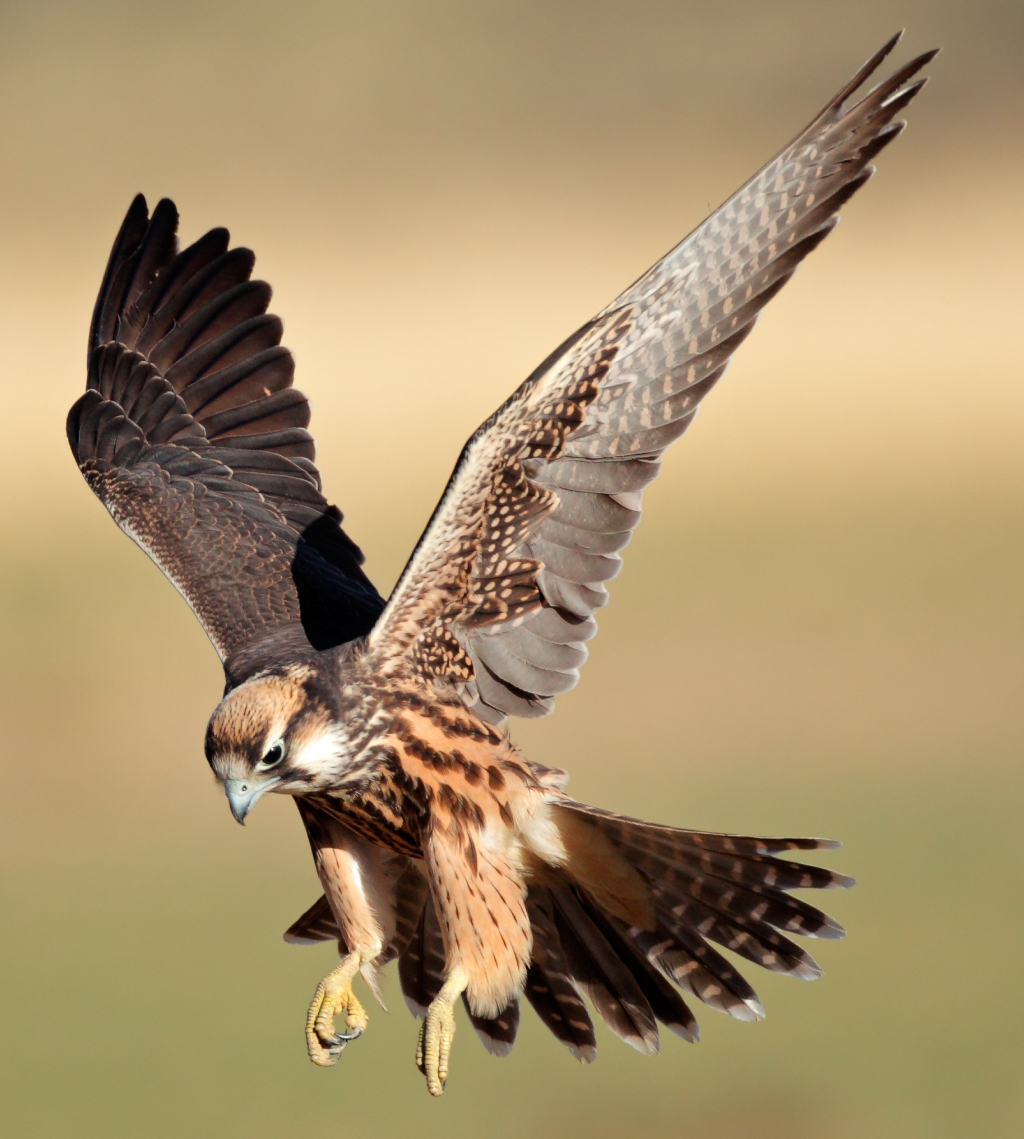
point(243, 794)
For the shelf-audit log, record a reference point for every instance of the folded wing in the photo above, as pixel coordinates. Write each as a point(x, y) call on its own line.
point(499, 595)
point(192, 436)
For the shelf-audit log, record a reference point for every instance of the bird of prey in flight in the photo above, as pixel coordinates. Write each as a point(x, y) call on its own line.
point(436, 841)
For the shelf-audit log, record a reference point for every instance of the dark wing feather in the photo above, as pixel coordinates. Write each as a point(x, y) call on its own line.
point(499, 595)
point(192, 436)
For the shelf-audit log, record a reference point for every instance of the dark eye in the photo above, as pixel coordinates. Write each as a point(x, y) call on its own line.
point(275, 753)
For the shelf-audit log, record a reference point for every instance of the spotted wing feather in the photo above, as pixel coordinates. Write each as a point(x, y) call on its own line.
point(499, 596)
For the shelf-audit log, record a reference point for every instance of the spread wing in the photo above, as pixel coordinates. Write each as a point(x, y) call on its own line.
point(499, 595)
point(192, 436)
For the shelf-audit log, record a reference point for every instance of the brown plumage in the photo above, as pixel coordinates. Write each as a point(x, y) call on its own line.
point(436, 842)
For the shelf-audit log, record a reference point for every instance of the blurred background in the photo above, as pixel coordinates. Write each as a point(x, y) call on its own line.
point(819, 625)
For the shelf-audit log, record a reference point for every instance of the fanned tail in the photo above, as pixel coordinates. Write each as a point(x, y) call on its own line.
point(700, 887)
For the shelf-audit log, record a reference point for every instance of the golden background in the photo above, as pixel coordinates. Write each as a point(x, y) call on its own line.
point(818, 629)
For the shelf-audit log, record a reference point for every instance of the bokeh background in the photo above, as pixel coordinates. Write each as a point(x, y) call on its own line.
point(818, 629)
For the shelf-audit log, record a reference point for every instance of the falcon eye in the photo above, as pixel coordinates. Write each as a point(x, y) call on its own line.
point(275, 753)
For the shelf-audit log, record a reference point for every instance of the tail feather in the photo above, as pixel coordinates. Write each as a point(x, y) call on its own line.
point(638, 833)
point(498, 1033)
point(687, 959)
point(734, 857)
point(602, 975)
point(316, 924)
point(703, 887)
point(421, 967)
point(737, 901)
point(411, 895)
point(755, 940)
point(549, 985)
point(666, 1003)
point(762, 903)
point(750, 869)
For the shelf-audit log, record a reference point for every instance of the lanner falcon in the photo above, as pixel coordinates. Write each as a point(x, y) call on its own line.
point(435, 840)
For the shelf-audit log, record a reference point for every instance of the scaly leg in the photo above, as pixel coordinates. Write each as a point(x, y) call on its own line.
point(434, 1046)
point(334, 995)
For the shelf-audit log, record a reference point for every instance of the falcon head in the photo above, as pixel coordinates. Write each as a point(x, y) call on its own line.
point(272, 733)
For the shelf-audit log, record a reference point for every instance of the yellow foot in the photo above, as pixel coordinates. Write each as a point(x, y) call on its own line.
point(333, 996)
point(434, 1047)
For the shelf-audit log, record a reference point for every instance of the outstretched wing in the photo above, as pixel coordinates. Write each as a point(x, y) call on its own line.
point(499, 595)
point(192, 436)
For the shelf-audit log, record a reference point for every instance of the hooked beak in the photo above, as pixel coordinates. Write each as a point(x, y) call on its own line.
point(243, 793)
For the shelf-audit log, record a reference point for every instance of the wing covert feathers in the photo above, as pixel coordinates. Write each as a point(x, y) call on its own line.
point(192, 436)
point(500, 593)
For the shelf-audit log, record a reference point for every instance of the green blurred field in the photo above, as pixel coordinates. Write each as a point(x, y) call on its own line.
point(819, 628)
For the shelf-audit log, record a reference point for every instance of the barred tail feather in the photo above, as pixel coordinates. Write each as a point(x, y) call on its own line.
point(421, 966)
point(668, 1006)
point(497, 1033)
point(316, 924)
point(701, 887)
point(549, 983)
point(603, 975)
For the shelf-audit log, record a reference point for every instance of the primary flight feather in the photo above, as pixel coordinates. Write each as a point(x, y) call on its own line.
point(435, 840)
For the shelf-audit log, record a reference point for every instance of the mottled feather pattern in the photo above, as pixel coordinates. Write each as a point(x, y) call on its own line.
point(481, 904)
point(675, 332)
point(462, 574)
point(452, 790)
point(630, 973)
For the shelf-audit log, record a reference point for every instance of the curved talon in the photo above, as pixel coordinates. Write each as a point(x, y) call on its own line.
point(334, 995)
point(434, 1045)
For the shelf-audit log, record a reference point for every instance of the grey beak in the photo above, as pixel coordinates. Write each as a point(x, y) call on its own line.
point(243, 793)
